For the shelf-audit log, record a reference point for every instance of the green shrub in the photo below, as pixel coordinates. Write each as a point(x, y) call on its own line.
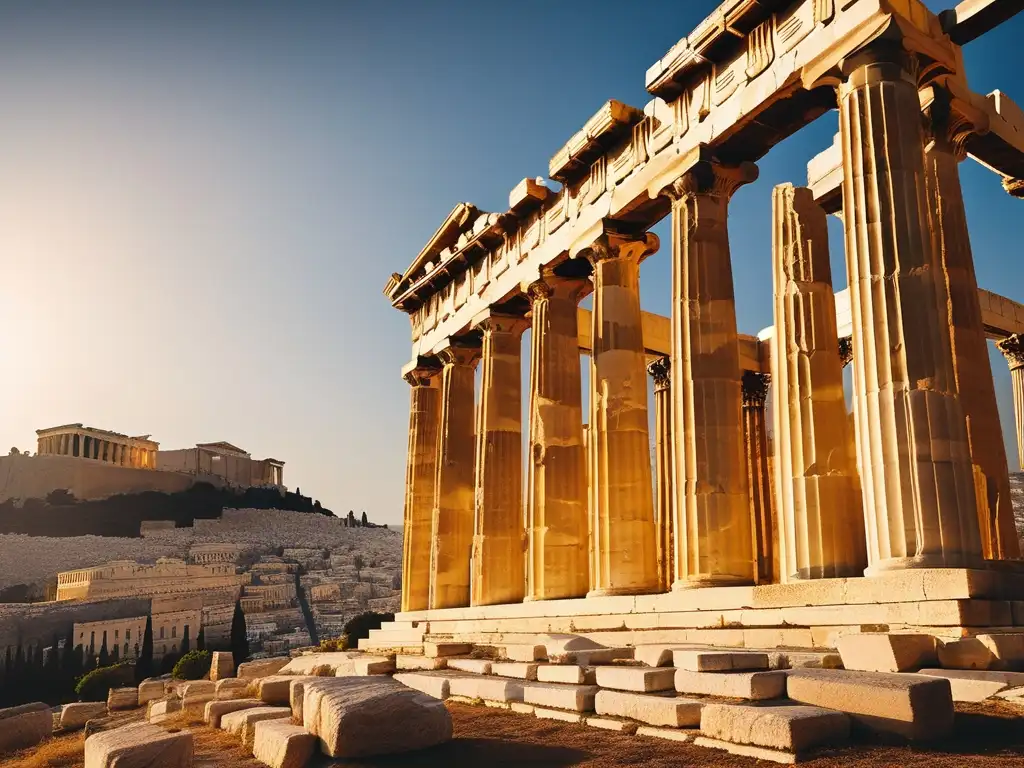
point(194, 665)
point(95, 685)
point(334, 644)
point(358, 627)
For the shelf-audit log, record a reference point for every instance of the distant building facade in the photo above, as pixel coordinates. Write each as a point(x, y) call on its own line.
point(224, 460)
point(171, 623)
point(99, 445)
point(126, 578)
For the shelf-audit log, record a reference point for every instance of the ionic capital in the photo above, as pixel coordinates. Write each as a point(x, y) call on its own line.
point(950, 121)
point(846, 350)
point(457, 350)
point(615, 246)
point(660, 371)
point(422, 372)
point(490, 321)
point(711, 178)
point(755, 388)
point(1014, 187)
point(1012, 348)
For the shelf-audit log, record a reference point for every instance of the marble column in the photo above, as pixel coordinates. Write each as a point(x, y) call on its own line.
point(498, 536)
point(63, 448)
point(1012, 348)
point(556, 504)
point(917, 480)
point(420, 477)
point(660, 372)
point(452, 523)
point(974, 382)
point(819, 509)
point(712, 503)
point(625, 548)
point(755, 443)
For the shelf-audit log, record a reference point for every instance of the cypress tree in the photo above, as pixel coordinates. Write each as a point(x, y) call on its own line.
point(104, 655)
point(201, 639)
point(144, 664)
point(239, 640)
point(186, 644)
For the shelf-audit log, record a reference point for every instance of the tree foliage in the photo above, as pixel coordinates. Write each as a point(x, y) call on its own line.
point(194, 665)
point(239, 636)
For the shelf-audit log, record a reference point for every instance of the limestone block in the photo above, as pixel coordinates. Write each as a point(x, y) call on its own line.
point(373, 665)
point(642, 679)
point(197, 693)
point(656, 655)
point(611, 724)
point(232, 688)
point(671, 711)
point(476, 666)
point(215, 710)
point(966, 653)
point(140, 745)
point(596, 656)
point(487, 688)
point(339, 663)
point(122, 698)
point(280, 744)
point(1007, 649)
point(670, 734)
point(243, 722)
point(222, 665)
point(159, 710)
point(557, 714)
point(149, 690)
point(265, 667)
point(276, 689)
point(881, 652)
point(734, 685)
point(365, 716)
point(75, 716)
point(433, 650)
point(788, 728)
point(976, 685)
point(563, 648)
point(521, 708)
point(524, 652)
point(295, 693)
point(747, 750)
point(24, 726)
point(916, 707)
point(433, 685)
point(712, 661)
point(519, 670)
point(573, 674)
point(419, 662)
point(578, 698)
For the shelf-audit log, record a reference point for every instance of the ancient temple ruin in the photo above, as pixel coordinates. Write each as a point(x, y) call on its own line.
point(896, 516)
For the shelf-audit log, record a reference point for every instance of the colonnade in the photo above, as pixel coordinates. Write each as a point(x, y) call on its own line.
point(89, 447)
point(594, 523)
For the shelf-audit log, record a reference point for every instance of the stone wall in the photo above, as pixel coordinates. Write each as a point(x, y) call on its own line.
point(40, 622)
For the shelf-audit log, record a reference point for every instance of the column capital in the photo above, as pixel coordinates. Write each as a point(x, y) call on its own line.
point(459, 350)
point(490, 321)
point(1012, 348)
point(549, 284)
point(755, 388)
point(660, 371)
point(1014, 187)
point(612, 245)
point(422, 372)
point(846, 350)
point(949, 120)
point(711, 178)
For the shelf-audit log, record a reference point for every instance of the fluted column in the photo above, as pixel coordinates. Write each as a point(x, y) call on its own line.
point(917, 481)
point(556, 505)
point(713, 545)
point(1012, 348)
point(452, 524)
point(625, 551)
point(498, 535)
point(755, 443)
point(819, 509)
point(420, 479)
point(975, 385)
point(660, 372)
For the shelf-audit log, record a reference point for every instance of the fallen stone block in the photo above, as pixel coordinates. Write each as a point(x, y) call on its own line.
point(138, 746)
point(222, 665)
point(733, 685)
point(487, 688)
point(122, 698)
point(24, 726)
point(917, 707)
point(373, 665)
point(796, 729)
point(521, 708)
point(564, 648)
point(966, 653)
point(243, 722)
point(747, 750)
point(412, 663)
point(280, 744)
point(251, 670)
point(524, 652)
point(670, 734)
point(233, 688)
point(434, 650)
point(197, 693)
point(1007, 648)
point(886, 652)
point(573, 674)
point(215, 710)
point(557, 714)
point(976, 685)
point(611, 724)
point(596, 656)
point(101, 724)
point(577, 698)
point(159, 710)
point(642, 679)
point(803, 660)
point(516, 669)
point(296, 691)
point(150, 690)
point(475, 666)
point(366, 716)
point(670, 711)
point(331, 664)
point(716, 661)
point(75, 716)
point(276, 689)
point(437, 686)
point(657, 655)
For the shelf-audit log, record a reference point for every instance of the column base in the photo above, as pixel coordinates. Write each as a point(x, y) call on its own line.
point(701, 582)
point(924, 561)
point(620, 591)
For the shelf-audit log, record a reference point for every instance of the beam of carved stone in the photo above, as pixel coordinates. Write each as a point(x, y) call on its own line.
point(971, 19)
point(819, 509)
point(755, 443)
point(452, 524)
point(943, 153)
point(420, 477)
point(712, 507)
point(556, 524)
point(1012, 348)
point(498, 567)
point(625, 553)
point(917, 479)
point(660, 371)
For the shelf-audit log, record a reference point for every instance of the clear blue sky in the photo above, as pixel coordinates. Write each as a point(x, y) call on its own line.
point(200, 202)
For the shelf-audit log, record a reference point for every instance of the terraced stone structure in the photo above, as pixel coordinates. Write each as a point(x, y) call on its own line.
point(897, 526)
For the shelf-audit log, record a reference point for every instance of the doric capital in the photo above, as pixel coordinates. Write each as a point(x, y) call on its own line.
point(490, 321)
point(755, 388)
point(422, 372)
point(616, 246)
point(459, 351)
point(846, 350)
point(1012, 348)
point(659, 370)
point(550, 284)
point(1015, 187)
point(711, 178)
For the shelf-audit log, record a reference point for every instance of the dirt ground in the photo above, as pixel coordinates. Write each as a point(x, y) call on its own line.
point(985, 736)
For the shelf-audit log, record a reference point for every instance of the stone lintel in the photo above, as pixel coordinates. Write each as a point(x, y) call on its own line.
point(527, 195)
point(971, 19)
